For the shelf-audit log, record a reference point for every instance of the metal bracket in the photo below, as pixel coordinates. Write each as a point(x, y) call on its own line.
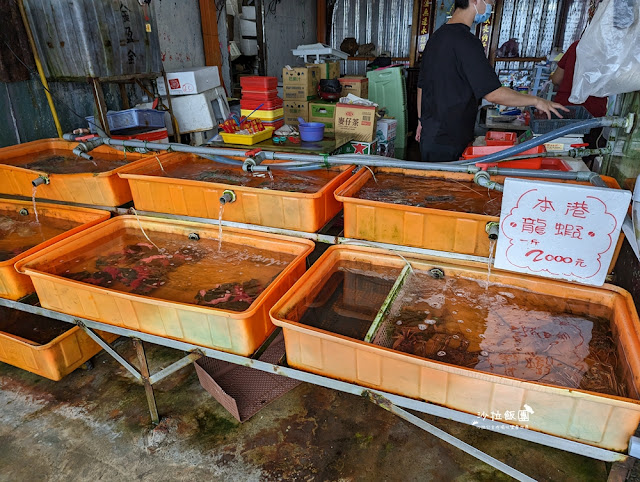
point(444, 436)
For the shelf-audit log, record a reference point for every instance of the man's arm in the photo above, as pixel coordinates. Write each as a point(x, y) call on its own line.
point(506, 96)
point(419, 128)
point(557, 76)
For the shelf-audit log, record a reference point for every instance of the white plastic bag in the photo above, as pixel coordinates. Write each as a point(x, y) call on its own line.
point(608, 58)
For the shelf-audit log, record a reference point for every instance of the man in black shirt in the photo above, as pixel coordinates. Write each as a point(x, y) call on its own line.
point(454, 76)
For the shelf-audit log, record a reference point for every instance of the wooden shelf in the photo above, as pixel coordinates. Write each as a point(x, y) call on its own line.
point(520, 59)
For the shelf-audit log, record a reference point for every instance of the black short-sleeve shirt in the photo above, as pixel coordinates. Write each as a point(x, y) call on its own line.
point(454, 76)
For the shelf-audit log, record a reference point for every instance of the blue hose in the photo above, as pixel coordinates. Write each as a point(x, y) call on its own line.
point(537, 141)
point(309, 167)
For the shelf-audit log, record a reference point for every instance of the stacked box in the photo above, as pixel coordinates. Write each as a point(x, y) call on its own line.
point(355, 85)
point(328, 70)
point(358, 147)
point(355, 122)
point(300, 83)
point(325, 112)
point(386, 136)
point(294, 109)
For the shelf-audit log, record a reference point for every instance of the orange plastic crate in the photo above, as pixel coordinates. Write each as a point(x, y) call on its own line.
point(597, 419)
point(236, 332)
point(14, 285)
point(265, 207)
point(55, 359)
point(419, 227)
point(101, 189)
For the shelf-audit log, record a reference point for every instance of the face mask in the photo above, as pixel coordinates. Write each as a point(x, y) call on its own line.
point(481, 18)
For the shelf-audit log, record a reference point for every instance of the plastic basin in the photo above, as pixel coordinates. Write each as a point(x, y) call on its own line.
point(458, 232)
point(593, 418)
point(498, 138)
point(54, 359)
point(311, 131)
point(101, 189)
point(299, 211)
point(239, 332)
point(14, 285)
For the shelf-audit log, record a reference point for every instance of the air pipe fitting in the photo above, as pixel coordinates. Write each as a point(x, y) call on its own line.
point(483, 179)
point(493, 230)
point(84, 148)
point(40, 180)
point(228, 196)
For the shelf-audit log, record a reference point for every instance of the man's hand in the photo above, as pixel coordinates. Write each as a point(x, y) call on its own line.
point(418, 130)
point(548, 107)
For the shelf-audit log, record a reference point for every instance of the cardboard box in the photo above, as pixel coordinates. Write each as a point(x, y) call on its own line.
point(357, 147)
point(328, 70)
point(386, 130)
point(294, 109)
point(355, 85)
point(357, 122)
point(300, 83)
point(325, 112)
point(190, 81)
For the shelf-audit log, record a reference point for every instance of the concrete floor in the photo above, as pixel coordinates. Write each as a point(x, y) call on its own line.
point(94, 425)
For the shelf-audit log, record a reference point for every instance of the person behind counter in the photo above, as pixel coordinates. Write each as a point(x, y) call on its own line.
point(597, 106)
point(455, 75)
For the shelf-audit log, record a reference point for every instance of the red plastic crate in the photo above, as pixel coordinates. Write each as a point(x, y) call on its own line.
point(250, 104)
point(275, 124)
point(474, 152)
point(262, 95)
point(496, 138)
point(258, 83)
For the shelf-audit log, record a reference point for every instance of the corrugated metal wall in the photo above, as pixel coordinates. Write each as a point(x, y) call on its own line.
point(385, 23)
point(536, 37)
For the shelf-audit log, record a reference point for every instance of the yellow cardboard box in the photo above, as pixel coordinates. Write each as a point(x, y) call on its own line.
point(294, 109)
point(300, 83)
point(357, 122)
point(355, 85)
point(328, 70)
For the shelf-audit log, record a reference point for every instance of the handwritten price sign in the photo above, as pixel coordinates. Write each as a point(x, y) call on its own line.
point(560, 230)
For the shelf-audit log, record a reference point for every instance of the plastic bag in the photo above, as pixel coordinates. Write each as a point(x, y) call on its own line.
point(608, 58)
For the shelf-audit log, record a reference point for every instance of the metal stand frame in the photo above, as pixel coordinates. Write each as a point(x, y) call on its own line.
point(391, 402)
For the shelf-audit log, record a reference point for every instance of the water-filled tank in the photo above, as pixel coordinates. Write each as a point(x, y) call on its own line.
point(94, 38)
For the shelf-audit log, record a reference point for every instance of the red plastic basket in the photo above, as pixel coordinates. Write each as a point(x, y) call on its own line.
point(496, 138)
point(250, 104)
point(258, 83)
point(263, 95)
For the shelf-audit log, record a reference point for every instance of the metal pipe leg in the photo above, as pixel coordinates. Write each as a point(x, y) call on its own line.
point(148, 388)
point(441, 434)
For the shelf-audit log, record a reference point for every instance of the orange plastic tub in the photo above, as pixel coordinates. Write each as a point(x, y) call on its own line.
point(102, 188)
point(13, 285)
point(420, 227)
point(239, 332)
point(601, 420)
point(300, 211)
point(53, 359)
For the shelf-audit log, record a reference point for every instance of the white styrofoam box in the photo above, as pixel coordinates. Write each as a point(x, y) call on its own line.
point(248, 28)
point(192, 80)
point(249, 13)
point(233, 7)
point(386, 129)
point(198, 112)
point(249, 46)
